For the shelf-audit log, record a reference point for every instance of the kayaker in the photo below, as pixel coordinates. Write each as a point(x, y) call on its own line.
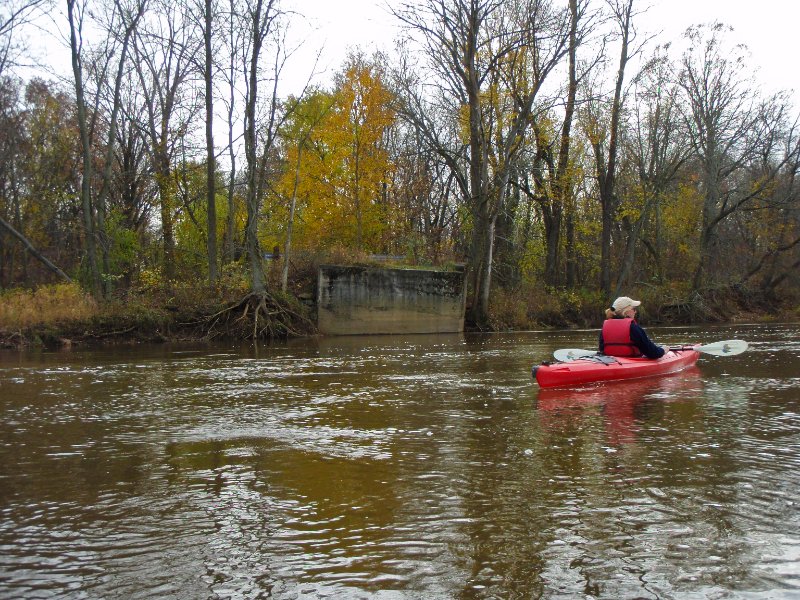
point(622, 335)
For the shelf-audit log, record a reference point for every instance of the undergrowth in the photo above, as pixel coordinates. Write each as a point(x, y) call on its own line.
point(58, 303)
point(155, 310)
point(536, 306)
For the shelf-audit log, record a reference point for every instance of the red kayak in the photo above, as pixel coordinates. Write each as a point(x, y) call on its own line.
point(611, 368)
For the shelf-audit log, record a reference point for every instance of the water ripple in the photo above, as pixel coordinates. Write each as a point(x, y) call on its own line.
point(399, 468)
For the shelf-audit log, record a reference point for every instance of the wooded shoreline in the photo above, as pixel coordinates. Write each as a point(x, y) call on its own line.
point(134, 321)
point(549, 147)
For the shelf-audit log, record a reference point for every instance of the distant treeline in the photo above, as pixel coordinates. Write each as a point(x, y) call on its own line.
point(547, 145)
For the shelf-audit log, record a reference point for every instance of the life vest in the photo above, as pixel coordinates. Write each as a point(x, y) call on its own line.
point(617, 338)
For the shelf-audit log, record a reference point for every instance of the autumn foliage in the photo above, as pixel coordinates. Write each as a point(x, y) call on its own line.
point(338, 164)
point(457, 148)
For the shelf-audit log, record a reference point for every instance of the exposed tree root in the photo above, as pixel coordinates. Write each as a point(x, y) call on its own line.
point(258, 317)
point(12, 339)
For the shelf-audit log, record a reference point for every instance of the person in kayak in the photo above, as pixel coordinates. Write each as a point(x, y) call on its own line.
point(622, 335)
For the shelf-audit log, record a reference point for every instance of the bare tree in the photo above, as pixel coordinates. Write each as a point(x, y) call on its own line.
point(134, 193)
point(782, 258)
point(75, 14)
point(605, 139)
point(235, 48)
point(488, 57)
point(425, 190)
point(206, 13)
point(656, 148)
point(563, 188)
point(165, 51)
point(13, 15)
point(262, 24)
point(551, 170)
point(729, 126)
point(119, 30)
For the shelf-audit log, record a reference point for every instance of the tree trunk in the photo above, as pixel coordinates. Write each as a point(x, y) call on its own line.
point(287, 248)
point(699, 279)
point(211, 165)
point(18, 223)
point(109, 150)
point(607, 187)
point(230, 229)
point(605, 247)
point(86, 151)
point(230, 225)
point(708, 228)
point(552, 237)
point(478, 313)
point(165, 192)
point(252, 245)
point(486, 275)
point(630, 245)
point(569, 247)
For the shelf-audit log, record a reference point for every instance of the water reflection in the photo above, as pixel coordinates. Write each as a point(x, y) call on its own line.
point(624, 405)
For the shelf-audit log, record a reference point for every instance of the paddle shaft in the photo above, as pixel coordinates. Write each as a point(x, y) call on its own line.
point(722, 348)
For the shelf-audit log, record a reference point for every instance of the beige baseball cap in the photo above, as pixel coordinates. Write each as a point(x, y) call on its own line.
point(624, 302)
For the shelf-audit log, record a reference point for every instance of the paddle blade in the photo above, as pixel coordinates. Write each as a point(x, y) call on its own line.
point(724, 348)
point(567, 354)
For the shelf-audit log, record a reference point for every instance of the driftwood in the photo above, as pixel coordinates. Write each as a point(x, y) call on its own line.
point(712, 304)
point(29, 247)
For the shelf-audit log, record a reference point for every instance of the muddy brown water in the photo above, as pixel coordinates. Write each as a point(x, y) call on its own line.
point(399, 467)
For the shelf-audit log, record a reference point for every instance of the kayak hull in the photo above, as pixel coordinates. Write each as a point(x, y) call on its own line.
point(590, 370)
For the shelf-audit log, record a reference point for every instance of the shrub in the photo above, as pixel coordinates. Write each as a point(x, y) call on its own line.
point(58, 303)
point(533, 306)
point(509, 311)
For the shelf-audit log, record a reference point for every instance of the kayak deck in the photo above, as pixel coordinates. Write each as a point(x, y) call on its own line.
point(610, 368)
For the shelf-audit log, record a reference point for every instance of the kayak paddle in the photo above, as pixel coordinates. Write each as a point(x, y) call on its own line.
point(722, 348)
point(567, 354)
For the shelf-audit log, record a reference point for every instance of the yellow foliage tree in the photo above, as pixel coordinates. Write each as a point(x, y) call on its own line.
point(338, 166)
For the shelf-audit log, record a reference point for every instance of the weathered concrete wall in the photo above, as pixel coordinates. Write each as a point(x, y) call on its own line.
point(365, 300)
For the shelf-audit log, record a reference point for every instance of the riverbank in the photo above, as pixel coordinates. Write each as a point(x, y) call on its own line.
point(63, 316)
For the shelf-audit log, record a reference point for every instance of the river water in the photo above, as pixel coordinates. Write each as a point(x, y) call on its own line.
point(399, 467)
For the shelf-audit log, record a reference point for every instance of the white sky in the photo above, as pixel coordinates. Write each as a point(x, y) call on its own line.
point(768, 27)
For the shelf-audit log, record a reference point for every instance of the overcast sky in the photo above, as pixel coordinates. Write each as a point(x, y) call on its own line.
point(768, 27)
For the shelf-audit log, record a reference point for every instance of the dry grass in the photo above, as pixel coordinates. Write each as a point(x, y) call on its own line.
point(58, 303)
point(535, 306)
